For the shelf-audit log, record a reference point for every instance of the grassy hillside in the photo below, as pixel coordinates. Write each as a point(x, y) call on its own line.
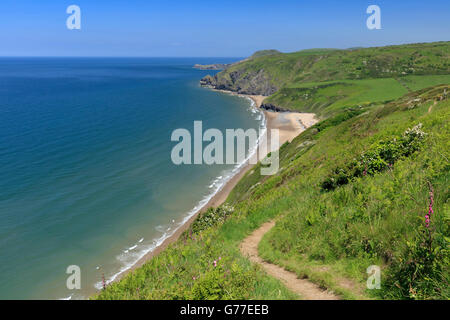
point(327, 235)
point(352, 191)
point(377, 218)
point(329, 64)
point(263, 53)
point(312, 80)
point(330, 97)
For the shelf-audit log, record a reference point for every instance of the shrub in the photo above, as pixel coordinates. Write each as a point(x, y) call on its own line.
point(341, 117)
point(380, 156)
point(212, 217)
point(222, 283)
point(419, 273)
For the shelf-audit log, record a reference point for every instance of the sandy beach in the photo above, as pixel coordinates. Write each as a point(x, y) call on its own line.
point(289, 124)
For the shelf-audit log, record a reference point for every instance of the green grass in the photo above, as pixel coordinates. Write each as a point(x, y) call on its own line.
point(374, 219)
point(263, 53)
point(330, 235)
point(318, 65)
point(328, 98)
point(185, 270)
point(420, 82)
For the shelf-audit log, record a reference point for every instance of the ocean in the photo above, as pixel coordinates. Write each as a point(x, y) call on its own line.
point(86, 176)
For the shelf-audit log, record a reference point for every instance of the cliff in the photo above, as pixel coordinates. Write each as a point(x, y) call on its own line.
point(241, 81)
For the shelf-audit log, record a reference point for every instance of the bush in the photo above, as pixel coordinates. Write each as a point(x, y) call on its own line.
point(419, 273)
point(341, 117)
point(222, 283)
point(379, 157)
point(212, 217)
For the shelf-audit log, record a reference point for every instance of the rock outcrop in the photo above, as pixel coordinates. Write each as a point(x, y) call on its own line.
point(242, 81)
point(272, 107)
point(237, 77)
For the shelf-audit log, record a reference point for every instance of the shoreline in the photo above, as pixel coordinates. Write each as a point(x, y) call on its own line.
point(289, 124)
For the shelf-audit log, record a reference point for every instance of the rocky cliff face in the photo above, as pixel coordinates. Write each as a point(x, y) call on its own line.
point(272, 107)
point(242, 81)
point(238, 77)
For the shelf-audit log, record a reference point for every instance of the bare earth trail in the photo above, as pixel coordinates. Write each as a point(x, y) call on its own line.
point(295, 123)
point(304, 288)
point(290, 125)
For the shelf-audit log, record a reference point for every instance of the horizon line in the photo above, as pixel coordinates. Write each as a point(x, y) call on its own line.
point(142, 57)
point(171, 56)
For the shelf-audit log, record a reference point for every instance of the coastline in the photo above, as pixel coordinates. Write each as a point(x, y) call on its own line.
point(289, 124)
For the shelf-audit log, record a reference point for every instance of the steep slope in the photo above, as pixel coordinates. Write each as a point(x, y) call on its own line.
point(359, 189)
point(366, 186)
point(352, 191)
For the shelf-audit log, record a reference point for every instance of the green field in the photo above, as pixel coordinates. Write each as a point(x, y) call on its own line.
point(352, 191)
point(420, 82)
point(328, 98)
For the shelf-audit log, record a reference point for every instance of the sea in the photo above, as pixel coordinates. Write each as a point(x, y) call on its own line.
point(86, 175)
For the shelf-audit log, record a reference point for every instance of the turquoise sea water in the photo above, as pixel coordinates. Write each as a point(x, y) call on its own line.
point(85, 171)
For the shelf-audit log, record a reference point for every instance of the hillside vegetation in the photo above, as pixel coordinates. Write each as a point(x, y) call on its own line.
point(315, 79)
point(367, 185)
point(263, 53)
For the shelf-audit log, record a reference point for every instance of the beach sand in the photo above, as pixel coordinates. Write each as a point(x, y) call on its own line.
point(289, 124)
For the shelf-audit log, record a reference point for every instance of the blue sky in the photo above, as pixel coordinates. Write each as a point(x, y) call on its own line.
point(211, 28)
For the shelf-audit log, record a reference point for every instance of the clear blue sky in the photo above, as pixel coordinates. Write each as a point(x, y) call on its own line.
point(229, 28)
